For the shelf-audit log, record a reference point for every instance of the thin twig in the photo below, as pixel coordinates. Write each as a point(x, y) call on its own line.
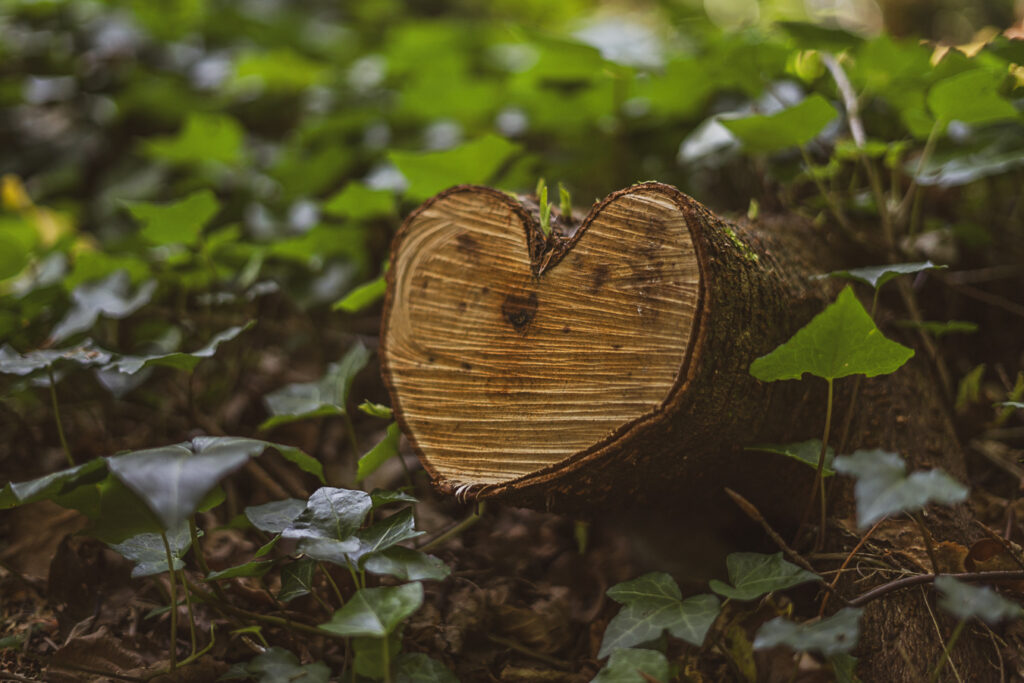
point(849, 558)
point(56, 417)
point(174, 602)
point(918, 579)
point(755, 515)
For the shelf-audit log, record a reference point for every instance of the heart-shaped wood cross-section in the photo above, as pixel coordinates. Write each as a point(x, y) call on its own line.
point(507, 353)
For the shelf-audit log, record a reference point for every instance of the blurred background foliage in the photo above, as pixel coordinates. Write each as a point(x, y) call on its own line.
point(171, 160)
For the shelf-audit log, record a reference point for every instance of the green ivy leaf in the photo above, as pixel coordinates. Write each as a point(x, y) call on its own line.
point(296, 580)
point(842, 340)
point(830, 636)
point(385, 534)
point(84, 355)
point(416, 667)
point(376, 410)
point(178, 222)
point(385, 449)
point(806, 452)
point(381, 497)
point(203, 138)
point(277, 665)
point(362, 297)
point(373, 656)
point(326, 528)
point(323, 397)
point(876, 276)
point(883, 487)
point(110, 297)
point(276, 516)
point(406, 565)
point(844, 666)
point(971, 97)
point(472, 162)
point(967, 602)
point(178, 360)
point(359, 202)
point(652, 603)
point(754, 574)
point(625, 666)
point(790, 127)
point(376, 611)
point(149, 554)
point(52, 485)
point(173, 480)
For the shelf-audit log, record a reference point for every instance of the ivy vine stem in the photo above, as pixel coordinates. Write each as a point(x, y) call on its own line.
point(947, 651)
point(174, 602)
point(56, 417)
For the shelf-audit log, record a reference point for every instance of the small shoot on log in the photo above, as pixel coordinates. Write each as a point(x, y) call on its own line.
point(840, 341)
point(545, 208)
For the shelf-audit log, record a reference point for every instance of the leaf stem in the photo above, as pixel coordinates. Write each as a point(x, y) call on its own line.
point(929, 542)
point(819, 478)
point(56, 417)
point(174, 602)
point(455, 530)
point(191, 616)
point(948, 650)
point(334, 586)
point(926, 153)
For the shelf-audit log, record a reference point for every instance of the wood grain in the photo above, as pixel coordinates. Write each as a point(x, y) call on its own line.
point(507, 353)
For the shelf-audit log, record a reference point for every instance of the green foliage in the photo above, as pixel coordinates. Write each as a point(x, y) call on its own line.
point(806, 452)
point(625, 666)
point(148, 553)
point(276, 516)
point(753, 575)
point(840, 341)
point(277, 664)
point(203, 138)
point(379, 454)
point(473, 162)
point(876, 276)
point(324, 397)
point(967, 602)
point(883, 487)
point(363, 296)
point(651, 604)
point(179, 222)
point(177, 360)
point(376, 612)
point(830, 636)
point(970, 97)
point(359, 202)
point(416, 667)
point(790, 127)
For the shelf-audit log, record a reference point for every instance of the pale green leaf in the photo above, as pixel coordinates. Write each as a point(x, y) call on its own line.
point(476, 161)
point(148, 553)
point(842, 340)
point(883, 487)
point(376, 611)
point(830, 636)
point(970, 97)
point(754, 574)
point(790, 127)
point(625, 666)
point(806, 452)
point(178, 222)
point(876, 276)
point(967, 602)
point(385, 449)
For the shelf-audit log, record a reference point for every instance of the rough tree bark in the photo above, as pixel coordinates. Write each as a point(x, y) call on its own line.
point(606, 364)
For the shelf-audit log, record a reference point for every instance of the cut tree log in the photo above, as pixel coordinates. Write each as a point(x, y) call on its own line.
point(607, 361)
point(606, 366)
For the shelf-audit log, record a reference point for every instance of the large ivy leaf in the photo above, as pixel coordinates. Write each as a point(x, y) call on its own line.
point(276, 516)
point(178, 222)
point(476, 161)
point(876, 276)
point(966, 602)
point(406, 564)
point(831, 636)
point(652, 604)
point(177, 360)
point(149, 554)
point(85, 355)
point(172, 480)
point(842, 340)
point(278, 665)
point(359, 202)
point(385, 449)
point(416, 667)
point(326, 528)
point(754, 574)
point(790, 127)
point(883, 487)
point(51, 485)
point(363, 296)
point(625, 666)
point(254, 568)
point(110, 297)
point(971, 97)
point(204, 137)
point(376, 611)
point(326, 396)
point(806, 452)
